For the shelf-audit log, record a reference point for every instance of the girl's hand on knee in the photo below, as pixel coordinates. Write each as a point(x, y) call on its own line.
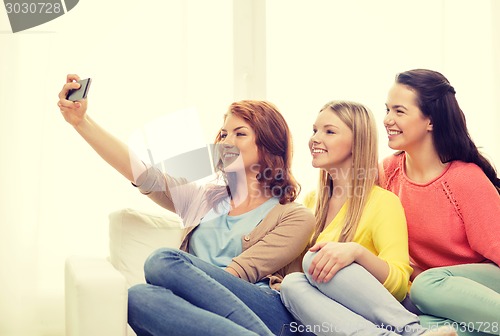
point(331, 258)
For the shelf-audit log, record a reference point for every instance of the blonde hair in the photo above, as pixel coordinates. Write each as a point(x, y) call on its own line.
point(362, 176)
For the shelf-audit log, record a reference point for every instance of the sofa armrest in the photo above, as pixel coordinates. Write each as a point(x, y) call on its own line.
point(96, 298)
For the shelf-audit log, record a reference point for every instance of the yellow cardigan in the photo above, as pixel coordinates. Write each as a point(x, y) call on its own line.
point(383, 231)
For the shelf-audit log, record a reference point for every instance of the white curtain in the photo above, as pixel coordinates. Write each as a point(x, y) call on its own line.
point(146, 59)
point(21, 115)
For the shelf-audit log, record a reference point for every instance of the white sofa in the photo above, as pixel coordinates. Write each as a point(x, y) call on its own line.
point(96, 290)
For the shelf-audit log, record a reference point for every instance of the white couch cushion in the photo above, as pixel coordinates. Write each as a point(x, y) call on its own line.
point(134, 234)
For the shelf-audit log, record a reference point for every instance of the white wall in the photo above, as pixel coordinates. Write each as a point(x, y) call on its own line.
point(151, 58)
point(323, 50)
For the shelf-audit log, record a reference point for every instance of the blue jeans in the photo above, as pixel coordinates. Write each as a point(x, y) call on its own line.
point(187, 296)
point(352, 303)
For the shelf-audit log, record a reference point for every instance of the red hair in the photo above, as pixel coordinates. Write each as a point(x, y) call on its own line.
point(274, 143)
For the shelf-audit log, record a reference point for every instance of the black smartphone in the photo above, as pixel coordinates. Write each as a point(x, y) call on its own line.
point(81, 93)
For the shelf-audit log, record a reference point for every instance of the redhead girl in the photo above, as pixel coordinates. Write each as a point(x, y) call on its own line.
point(242, 237)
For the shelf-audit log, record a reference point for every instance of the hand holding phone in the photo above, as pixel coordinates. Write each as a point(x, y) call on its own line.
point(81, 93)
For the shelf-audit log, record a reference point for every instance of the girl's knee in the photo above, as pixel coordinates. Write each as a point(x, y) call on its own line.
point(430, 278)
point(290, 286)
point(158, 261)
point(307, 260)
point(139, 301)
point(424, 286)
point(291, 281)
point(137, 294)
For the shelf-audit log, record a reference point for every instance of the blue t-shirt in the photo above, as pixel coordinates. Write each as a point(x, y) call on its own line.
point(217, 239)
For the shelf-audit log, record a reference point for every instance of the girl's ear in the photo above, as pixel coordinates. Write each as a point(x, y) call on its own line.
point(429, 125)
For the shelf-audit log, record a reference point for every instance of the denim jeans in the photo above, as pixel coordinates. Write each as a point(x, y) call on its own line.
point(352, 303)
point(187, 296)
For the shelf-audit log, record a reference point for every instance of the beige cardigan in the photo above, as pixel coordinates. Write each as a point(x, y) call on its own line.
point(272, 250)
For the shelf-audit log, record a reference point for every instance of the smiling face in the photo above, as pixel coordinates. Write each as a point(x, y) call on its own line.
point(331, 142)
point(407, 128)
point(238, 148)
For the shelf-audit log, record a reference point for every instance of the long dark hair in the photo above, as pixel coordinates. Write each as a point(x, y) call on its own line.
point(436, 99)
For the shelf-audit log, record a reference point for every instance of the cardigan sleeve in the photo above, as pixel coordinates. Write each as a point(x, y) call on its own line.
point(276, 243)
point(390, 238)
